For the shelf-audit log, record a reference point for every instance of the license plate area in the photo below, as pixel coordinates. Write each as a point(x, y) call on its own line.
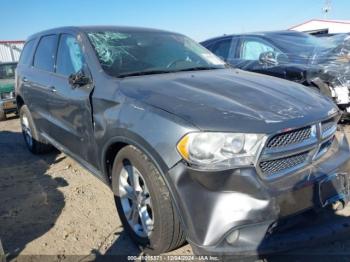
point(333, 188)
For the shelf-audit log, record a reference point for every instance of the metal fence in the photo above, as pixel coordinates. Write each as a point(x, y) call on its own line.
point(10, 50)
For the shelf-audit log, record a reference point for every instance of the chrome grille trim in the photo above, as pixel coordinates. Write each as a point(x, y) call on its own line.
point(283, 164)
point(313, 142)
point(328, 128)
point(323, 149)
point(290, 137)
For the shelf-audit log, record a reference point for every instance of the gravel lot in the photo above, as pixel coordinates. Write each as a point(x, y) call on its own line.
point(49, 205)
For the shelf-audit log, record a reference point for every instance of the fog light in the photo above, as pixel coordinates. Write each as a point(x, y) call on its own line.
point(232, 237)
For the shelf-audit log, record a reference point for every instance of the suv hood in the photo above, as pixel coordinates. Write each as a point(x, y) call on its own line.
point(231, 100)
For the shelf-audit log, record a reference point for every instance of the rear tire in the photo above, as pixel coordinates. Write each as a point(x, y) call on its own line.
point(2, 115)
point(164, 233)
point(34, 143)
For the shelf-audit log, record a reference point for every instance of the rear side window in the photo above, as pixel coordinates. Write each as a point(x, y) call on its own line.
point(69, 56)
point(208, 45)
point(222, 48)
point(26, 55)
point(44, 57)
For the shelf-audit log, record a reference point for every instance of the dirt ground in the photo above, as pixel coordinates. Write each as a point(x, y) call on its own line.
point(49, 205)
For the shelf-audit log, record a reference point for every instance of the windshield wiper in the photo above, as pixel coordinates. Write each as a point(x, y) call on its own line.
point(197, 68)
point(162, 71)
point(141, 73)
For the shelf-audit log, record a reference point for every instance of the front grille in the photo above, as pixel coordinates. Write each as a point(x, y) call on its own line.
point(313, 141)
point(326, 145)
point(324, 148)
point(328, 128)
point(290, 137)
point(271, 167)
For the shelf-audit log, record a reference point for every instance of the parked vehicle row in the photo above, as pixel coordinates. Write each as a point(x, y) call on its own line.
point(321, 64)
point(7, 89)
point(192, 149)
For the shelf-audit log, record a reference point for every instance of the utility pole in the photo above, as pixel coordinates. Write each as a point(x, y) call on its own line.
point(327, 8)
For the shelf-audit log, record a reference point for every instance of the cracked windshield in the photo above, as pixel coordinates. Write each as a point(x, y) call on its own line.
point(141, 53)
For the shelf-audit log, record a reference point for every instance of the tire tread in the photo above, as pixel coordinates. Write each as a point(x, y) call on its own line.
point(39, 145)
point(172, 235)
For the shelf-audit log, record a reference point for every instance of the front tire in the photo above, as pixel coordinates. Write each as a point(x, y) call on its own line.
point(144, 203)
point(34, 143)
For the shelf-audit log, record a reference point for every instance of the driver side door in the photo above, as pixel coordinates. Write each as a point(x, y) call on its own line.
point(69, 106)
point(249, 51)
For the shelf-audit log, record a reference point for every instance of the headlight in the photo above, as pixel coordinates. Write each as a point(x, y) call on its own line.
point(211, 150)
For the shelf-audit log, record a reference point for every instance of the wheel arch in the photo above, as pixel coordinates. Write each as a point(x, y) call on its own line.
point(115, 144)
point(20, 102)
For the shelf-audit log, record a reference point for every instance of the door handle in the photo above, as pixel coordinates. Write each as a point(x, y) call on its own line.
point(53, 89)
point(24, 79)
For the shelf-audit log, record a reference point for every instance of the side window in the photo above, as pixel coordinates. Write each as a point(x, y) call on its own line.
point(44, 57)
point(222, 48)
point(208, 46)
point(26, 54)
point(69, 56)
point(251, 49)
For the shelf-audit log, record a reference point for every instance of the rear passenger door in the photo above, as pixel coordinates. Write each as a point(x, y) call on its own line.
point(36, 79)
point(69, 106)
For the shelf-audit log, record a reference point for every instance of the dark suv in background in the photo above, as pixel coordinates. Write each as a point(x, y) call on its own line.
point(322, 64)
point(7, 89)
point(192, 149)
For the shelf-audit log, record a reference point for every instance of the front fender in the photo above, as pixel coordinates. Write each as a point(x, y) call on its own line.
point(149, 128)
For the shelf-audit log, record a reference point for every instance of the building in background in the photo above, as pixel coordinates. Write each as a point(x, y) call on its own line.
point(319, 26)
point(10, 50)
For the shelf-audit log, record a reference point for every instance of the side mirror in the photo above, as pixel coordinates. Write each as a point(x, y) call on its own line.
point(271, 58)
point(268, 58)
point(79, 79)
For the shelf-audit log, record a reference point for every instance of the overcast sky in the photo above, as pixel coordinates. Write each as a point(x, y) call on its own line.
point(199, 19)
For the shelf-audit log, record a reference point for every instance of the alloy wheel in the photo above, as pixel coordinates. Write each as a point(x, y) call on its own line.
point(136, 200)
point(27, 132)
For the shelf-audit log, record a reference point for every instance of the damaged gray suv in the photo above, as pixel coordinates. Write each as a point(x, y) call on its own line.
point(193, 149)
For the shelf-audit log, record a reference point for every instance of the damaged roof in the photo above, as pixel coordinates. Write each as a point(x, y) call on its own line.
point(263, 33)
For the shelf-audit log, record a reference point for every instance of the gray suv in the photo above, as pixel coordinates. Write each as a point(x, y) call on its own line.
point(192, 148)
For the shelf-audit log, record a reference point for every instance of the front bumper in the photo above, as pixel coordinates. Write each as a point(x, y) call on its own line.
point(214, 204)
point(8, 105)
